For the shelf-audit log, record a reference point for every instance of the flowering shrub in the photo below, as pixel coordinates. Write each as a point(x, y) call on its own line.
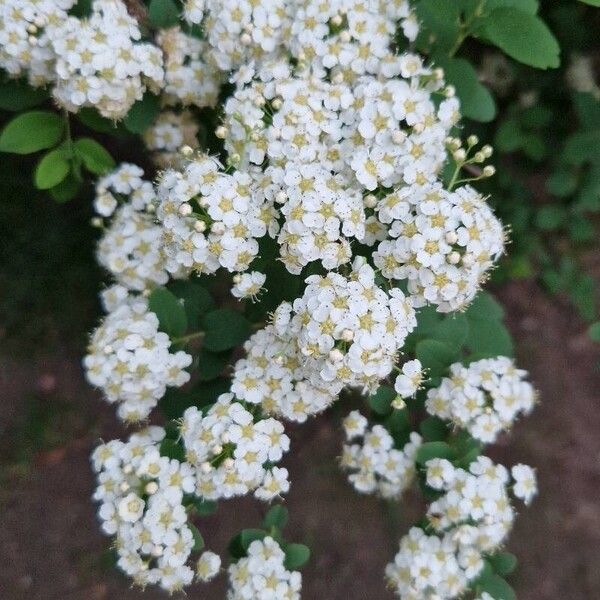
point(307, 157)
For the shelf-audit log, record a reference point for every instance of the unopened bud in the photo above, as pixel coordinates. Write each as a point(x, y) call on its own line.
point(479, 157)
point(97, 222)
point(246, 39)
point(221, 132)
point(229, 463)
point(218, 228)
point(124, 486)
point(187, 150)
point(335, 355)
point(370, 201)
point(472, 140)
point(277, 103)
point(487, 151)
point(451, 237)
point(450, 91)
point(336, 20)
point(157, 551)
point(200, 226)
point(280, 197)
point(338, 78)
point(398, 403)
point(185, 209)
point(237, 278)
point(489, 171)
point(217, 449)
point(453, 258)
point(345, 36)
point(459, 155)
point(347, 335)
point(151, 488)
point(398, 136)
point(206, 467)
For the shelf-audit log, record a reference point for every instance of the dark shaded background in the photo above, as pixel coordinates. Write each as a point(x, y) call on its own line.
point(50, 545)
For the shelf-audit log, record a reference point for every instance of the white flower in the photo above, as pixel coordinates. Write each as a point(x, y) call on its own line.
point(525, 486)
point(208, 566)
point(409, 381)
point(248, 285)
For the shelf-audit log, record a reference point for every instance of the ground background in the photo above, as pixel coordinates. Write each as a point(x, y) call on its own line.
point(50, 546)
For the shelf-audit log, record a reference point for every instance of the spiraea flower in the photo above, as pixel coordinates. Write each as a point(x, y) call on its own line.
point(141, 503)
point(233, 453)
point(101, 62)
point(130, 361)
point(210, 218)
point(248, 285)
point(484, 398)
point(374, 463)
point(262, 574)
point(169, 134)
point(130, 247)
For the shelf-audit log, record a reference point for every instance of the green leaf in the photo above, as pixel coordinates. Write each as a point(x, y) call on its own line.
point(95, 157)
point(92, 119)
point(435, 356)
point(485, 306)
point(529, 6)
point(488, 339)
point(32, 131)
point(509, 136)
point(277, 516)
point(196, 300)
point(212, 364)
point(225, 329)
point(142, 114)
point(581, 229)
point(550, 217)
point(66, 190)
point(169, 310)
point(583, 147)
point(561, 183)
point(591, 2)
point(430, 450)
point(198, 539)
point(163, 13)
point(16, 95)
point(476, 102)
point(452, 330)
point(434, 429)
point(380, 402)
point(594, 332)
point(497, 588)
point(175, 401)
point(171, 449)
point(503, 563)
point(587, 107)
point(439, 24)
point(522, 36)
point(296, 556)
point(205, 508)
point(239, 544)
point(51, 170)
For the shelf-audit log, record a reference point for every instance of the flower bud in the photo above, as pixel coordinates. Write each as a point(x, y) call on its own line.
point(246, 39)
point(453, 258)
point(472, 140)
point(370, 201)
point(185, 209)
point(451, 237)
point(187, 150)
point(345, 36)
point(200, 226)
point(459, 155)
point(336, 20)
point(335, 355)
point(489, 171)
point(221, 132)
point(151, 488)
point(218, 228)
point(347, 335)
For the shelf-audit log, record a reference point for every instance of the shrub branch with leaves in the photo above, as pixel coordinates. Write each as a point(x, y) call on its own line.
point(311, 203)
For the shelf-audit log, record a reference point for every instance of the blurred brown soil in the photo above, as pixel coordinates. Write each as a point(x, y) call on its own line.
point(51, 549)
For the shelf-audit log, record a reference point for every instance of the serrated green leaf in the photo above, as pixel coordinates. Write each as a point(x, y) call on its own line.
point(171, 449)
point(95, 157)
point(16, 95)
point(277, 516)
point(225, 329)
point(163, 13)
point(497, 588)
point(522, 36)
point(198, 539)
point(169, 310)
point(476, 102)
point(51, 170)
point(380, 402)
point(296, 556)
point(142, 114)
point(430, 450)
point(31, 132)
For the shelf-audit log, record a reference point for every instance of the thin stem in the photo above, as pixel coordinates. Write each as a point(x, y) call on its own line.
point(186, 338)
point(465, 28)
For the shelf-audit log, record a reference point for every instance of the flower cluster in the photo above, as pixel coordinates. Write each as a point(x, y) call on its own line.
point(484, 398)
point(100, 61)
point(211, 219)
point(261, 575)
point(376, 465)
point(141, 495)
point(471, 519)
point(26, 28)
point(130, 247)
point(442, 242)
point(129, 360)
point(169, 134)
point(189, 78)
point(234, 453)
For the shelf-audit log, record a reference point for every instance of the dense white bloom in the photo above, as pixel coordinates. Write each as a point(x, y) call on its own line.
point(248, 285)
point(25, 30)
point(130, 247)
point(169, 134)
point(470, 520)
point(261, 575)
point(485, 398)
point(129, 360)
point(375, 464)
point(101, 63)
point(233, 453)
point(140, 494)
point(211, 219)
point(443, 243)
point(189, 78)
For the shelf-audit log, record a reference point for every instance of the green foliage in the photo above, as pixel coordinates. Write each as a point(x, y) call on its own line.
point(380, 402)
point(31, 132)
point(430, 450)
point(296, 556)
point(169, 310)
point(163, 13)
point(51, 169)
point(16, 95)
point(277, 516)
point(142, 114)
point(522, 36)
point(95, 157)
point(503, 563)
point(225, 329)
